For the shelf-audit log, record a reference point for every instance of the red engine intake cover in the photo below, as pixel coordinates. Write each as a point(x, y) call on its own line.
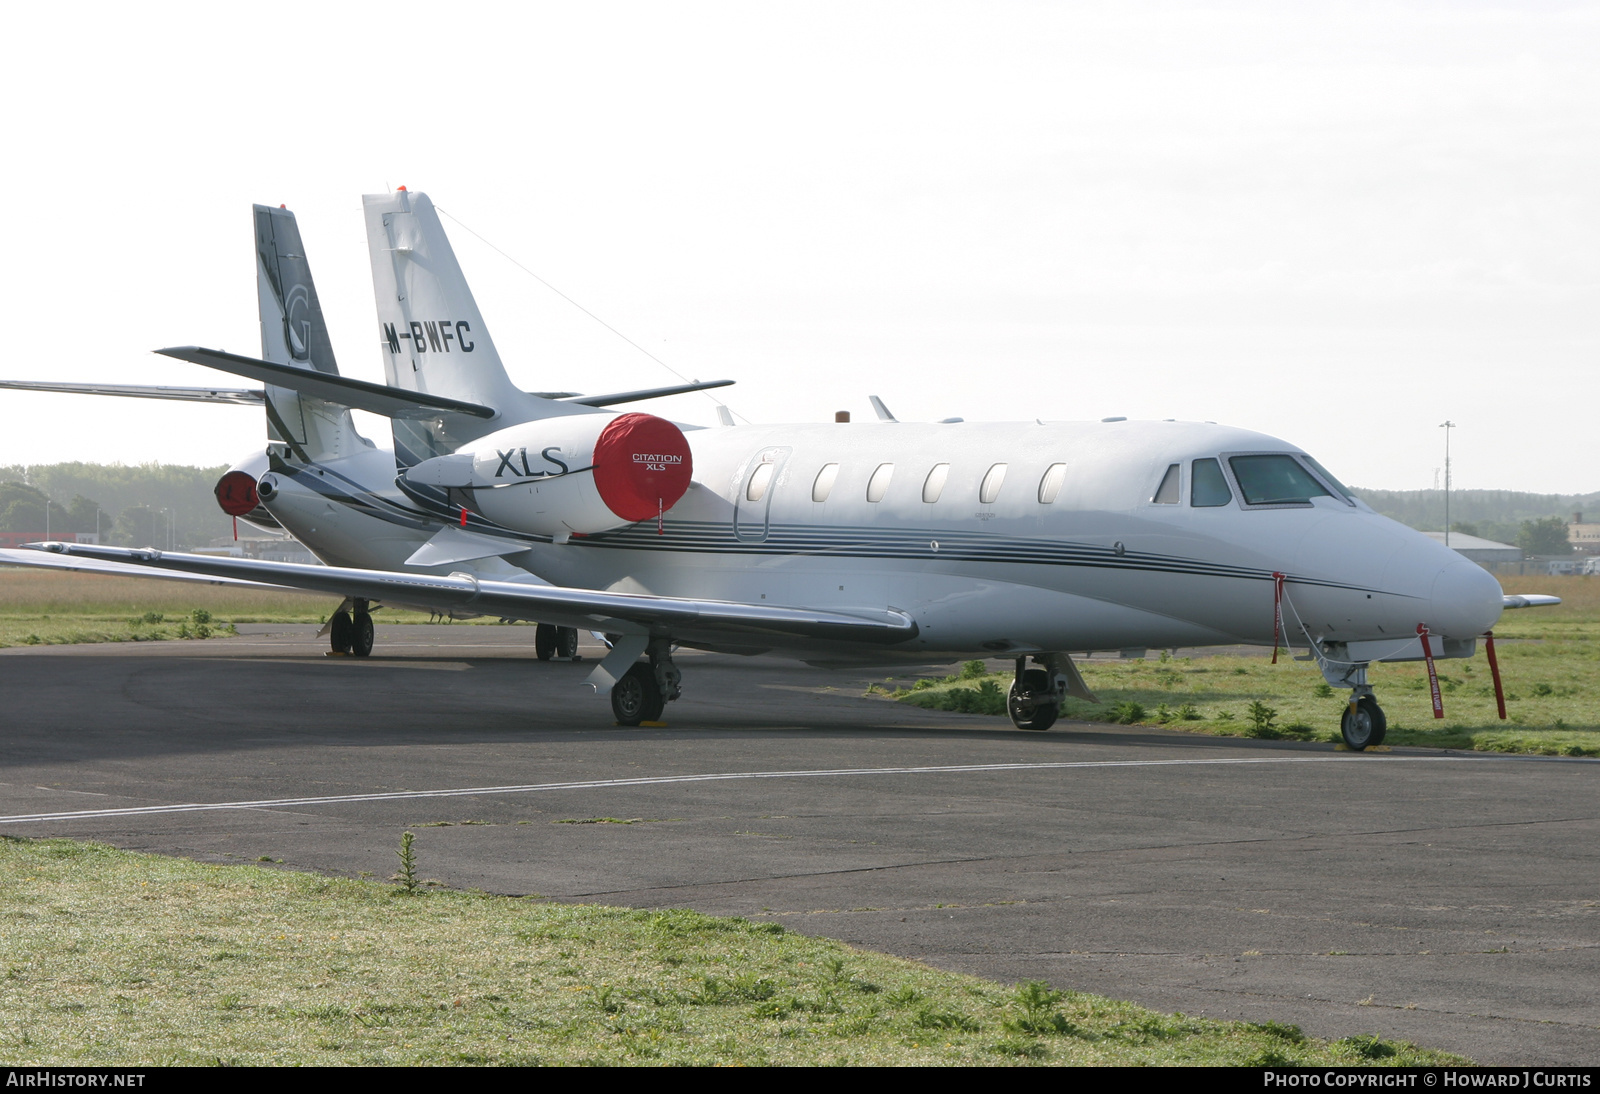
point(236, 493)
point(642, 466)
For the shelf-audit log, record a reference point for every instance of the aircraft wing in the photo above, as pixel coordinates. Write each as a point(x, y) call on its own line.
point(685, 620)
point(1530, 600)
point(51, 561)
point(237, 395)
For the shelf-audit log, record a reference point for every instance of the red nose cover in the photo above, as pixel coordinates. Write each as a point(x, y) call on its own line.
point(642, 466)
point(236, 493)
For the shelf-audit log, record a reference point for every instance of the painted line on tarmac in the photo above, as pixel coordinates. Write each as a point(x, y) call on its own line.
point(727, 776)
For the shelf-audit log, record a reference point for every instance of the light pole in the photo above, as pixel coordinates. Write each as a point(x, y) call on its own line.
point(1447, 426)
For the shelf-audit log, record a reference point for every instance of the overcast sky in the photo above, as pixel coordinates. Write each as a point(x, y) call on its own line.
point(1337, 223)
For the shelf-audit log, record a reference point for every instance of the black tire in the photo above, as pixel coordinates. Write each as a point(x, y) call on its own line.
point(1364, 726)
point(636, 697)
point(544, 641)
point(567, 642)
point(341, 632)
point(361, 635)
point(1028, 713)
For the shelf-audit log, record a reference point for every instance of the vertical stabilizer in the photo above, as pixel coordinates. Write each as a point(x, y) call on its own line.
point(431, 335)
point(293, 333)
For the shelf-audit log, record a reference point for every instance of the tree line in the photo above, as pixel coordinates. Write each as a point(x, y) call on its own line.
point(136, 506)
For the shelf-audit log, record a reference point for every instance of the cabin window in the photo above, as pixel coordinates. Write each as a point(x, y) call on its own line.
point(1167, 492)
point(990, 490)
point(878, 485)
point(1275, 480)
point(760, 478)
point(1207, 487)
point(824, 484)
point(1050, 485)
point(933, 485)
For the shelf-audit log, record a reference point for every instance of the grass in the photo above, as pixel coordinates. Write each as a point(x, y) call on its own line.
point(50, 607)
point(115, 958)
point(1549, 662)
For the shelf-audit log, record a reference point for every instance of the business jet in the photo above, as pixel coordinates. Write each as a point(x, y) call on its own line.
point(876, 542)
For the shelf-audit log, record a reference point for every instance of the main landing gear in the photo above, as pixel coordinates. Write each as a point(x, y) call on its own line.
point(1036, 694)
point(642, 693)
point(552, 641)
point(637, 697)
point(1034, 702)
point(350, 632)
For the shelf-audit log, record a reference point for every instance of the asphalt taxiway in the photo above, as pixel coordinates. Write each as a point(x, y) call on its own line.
point(1448, 899)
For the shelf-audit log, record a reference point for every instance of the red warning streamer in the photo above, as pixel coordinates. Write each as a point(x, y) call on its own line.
point(1494, 671)
point(1277, 613)
point(1433, 673)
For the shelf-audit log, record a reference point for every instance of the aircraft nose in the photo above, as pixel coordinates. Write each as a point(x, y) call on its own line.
point(1466, 600)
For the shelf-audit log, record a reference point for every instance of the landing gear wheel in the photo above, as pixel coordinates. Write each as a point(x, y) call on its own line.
point(636, 697)
point(1033, 705)
point(361, 635)
point(544, 641)
point(567, 642)
point(340, 632)
point(1364, 726)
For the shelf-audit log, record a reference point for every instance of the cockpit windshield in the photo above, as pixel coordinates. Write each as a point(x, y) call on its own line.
point(1338, 487)
point(1275, 480)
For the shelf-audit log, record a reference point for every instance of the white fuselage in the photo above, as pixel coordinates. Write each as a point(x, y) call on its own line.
point(1100, 565)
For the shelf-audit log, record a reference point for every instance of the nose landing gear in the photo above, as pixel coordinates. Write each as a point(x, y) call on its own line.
point(1363, 725)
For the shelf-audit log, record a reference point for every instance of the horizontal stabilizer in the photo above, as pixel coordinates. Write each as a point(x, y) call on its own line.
point(640, 395)
point(1530, 600)
point(687, 620)
point(235, 395)
point(390, 402)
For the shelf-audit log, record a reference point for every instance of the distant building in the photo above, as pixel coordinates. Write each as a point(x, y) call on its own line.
point(1485, 552)
point(1583, 537)
point(269, 548)
point(17, 539)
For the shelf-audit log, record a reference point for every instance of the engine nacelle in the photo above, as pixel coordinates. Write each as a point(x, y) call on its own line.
point(581, 473)
point(237, 495)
